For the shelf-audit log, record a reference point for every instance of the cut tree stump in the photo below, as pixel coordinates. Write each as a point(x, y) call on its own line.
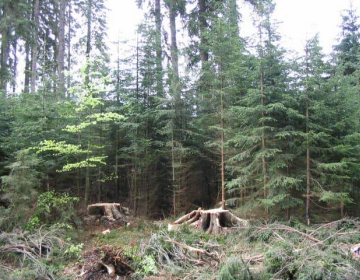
point(213, 221)
point(113, 211)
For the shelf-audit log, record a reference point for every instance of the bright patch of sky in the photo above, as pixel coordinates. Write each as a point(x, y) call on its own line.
point(299, 21)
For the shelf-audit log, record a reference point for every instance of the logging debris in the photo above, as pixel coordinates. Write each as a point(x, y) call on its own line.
point(104, 262)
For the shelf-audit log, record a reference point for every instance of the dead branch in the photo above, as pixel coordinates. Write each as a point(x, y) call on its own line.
point(254, 259)
point(199, 252)
point(290, 229)
point(186, 217)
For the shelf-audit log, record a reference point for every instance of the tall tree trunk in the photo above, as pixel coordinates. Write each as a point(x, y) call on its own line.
point(88, 42)
point(173, 171)
point(117, 177)
point(34, 47)
point(61, 50)
point(5, 48)
point(137, 68)
point(117, 185)
point(204, 54)
point(262, 103)
point(176, 95)
point(15, 65)
point(263, 132)
point(174, 48)
point(222, 153)
point(159, 69)
point(87, 185)
point(27, 67)
point(69, 46)
point(308, 174)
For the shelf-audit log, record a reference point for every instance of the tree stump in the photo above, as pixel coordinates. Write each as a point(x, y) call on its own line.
point(212, 221)
point(112, 211)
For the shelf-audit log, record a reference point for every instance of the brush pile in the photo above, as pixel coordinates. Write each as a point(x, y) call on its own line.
point(296, 251)
point(104, 263)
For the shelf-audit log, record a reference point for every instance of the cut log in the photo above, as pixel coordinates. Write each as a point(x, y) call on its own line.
point(214, 221)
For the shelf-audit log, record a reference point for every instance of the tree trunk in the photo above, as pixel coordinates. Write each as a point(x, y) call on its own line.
point(15, 65)
point(87, 185)
point(176, 97)
point(69, 47)
point(34, 48)
point(308, 174)
point(174, 48)
point(87, 182)
point(5, 49)
point(262, 92)
point(61, 50)
point(173, 172)
point(204, 54)
point(88, 42)
point(27, 67)
point(222, 153)
point(159, 69)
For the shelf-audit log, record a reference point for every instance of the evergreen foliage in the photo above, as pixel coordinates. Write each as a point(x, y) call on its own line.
point(174, 122)
point(19, 190)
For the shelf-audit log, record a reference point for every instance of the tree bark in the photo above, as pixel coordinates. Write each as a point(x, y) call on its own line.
point(174, 48)
point(159, 69)
point(34, 49)
point(61, 50)
point(88, 41)
point(176, 95)
point(5, 48)
point(27, 67)
point(204, 54)
point(262, 102)
point(222, 150)
point(15, 64)
point(308, 174)
point(69, 47)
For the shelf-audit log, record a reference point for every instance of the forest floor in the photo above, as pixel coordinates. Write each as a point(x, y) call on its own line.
point(147, 250)
point(143, 249)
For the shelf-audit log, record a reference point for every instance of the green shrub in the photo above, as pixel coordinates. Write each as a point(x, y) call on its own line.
point(53, 208)
point(19, 188)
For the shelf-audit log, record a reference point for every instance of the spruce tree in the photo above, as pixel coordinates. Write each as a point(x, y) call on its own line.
point(262, 154)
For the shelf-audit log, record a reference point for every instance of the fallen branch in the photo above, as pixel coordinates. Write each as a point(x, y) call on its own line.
point(290, 229)
point(6, 267)
point(186, 217)
point(199, 252)
point(255, 259)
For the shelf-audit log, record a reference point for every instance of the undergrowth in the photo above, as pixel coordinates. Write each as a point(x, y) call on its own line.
point(288, 250)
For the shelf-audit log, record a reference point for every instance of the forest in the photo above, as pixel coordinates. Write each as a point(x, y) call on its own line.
point(191, 115)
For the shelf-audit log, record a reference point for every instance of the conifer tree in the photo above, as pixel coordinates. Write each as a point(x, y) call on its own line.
point(264, 113)
point(324, 161)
